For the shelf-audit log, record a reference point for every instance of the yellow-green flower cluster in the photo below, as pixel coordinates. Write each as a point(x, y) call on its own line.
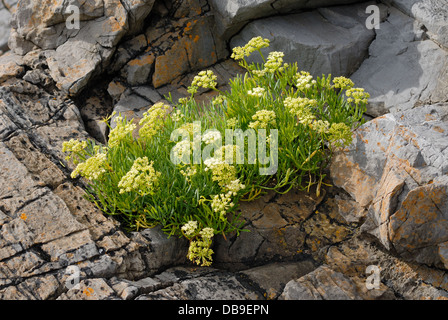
point(304, 80)
point(188, 128)
point(218, 100)
point(235, 186)
point(301, 108)
point(357, 95)
point(190, 229)
point(182, 150)
point(200, 242)
point(141, 178)
point(199, 250)
point(221, 203)
point(340, 135)
point(257, 92)
point(205, 79)
point(189, 172)
point(257, 43)
point(263, 118)
point(211, 136)
point(93, 168)
point(153, 120)
point(122, 129)
point(222, 172)
point(274, 62)
point(75, 148)
point(342, 83)
point(321, 126)
point(231, 123)
point(177, 115)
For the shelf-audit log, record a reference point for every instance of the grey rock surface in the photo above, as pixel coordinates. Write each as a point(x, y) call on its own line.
point(404, 69)
point(232, 15)
point(396, 169)
point(327, 41)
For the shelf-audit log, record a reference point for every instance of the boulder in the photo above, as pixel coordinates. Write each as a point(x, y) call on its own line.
point(404, 69)
point(326, 41)
point(232, 15)
point(431, 13)
point(396, 169)
point(11, 65)
point(75, 55)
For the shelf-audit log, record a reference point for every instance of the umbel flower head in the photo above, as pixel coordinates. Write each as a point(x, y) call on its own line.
point(340, 134)
point(75, 148)
point(257, 92)
point(222, 172)
point(141, 178)
point(262, 119)
point(304, 80)
point(274, 62)
point(342, 83)
point(254, 44)
point(93, 168)
point(200, 241)
point(153, 120)
point(301, 108)
point(357, 95)
point(205, 79)
point(122, 130)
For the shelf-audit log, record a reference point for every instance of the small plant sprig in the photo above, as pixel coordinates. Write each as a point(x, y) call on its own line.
point(154, 179)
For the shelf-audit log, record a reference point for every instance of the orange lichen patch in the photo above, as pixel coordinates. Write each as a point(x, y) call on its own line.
point(188, 27)
point(381, 147)
point(430, 117)
point(88, 291)
point(141, 61)
point(23, 216)
point(353, 179)
point(115, 25)
point(418, 222)
point(438, 129)
point(116, 88)
point(196, 39)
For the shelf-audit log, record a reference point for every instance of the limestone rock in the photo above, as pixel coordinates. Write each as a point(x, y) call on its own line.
point(5, 17)
point(321, 284)
point(11, 65)
point(404, 69)
point(215, 285)
point(330, 41)
point(395, 169)
point(75, 55)
point(232, 15)
point(433, 14)
point(282, 228)
point(161, 251)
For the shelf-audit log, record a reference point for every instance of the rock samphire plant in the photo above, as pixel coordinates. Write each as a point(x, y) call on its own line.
point(191, 164)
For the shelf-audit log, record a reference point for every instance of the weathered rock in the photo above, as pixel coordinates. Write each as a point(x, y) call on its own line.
point(11, 65)
point(272, 278)
point(282, 228)
point(91, 289)
point(215, 285)
point(397, 279)
point(5, 17)
point(405, 69)
point(321, 284)
point(395, 168)
point(433, 14)
point(75, 55)
point(330, 41)
point(161, 251)
point(232, 15)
